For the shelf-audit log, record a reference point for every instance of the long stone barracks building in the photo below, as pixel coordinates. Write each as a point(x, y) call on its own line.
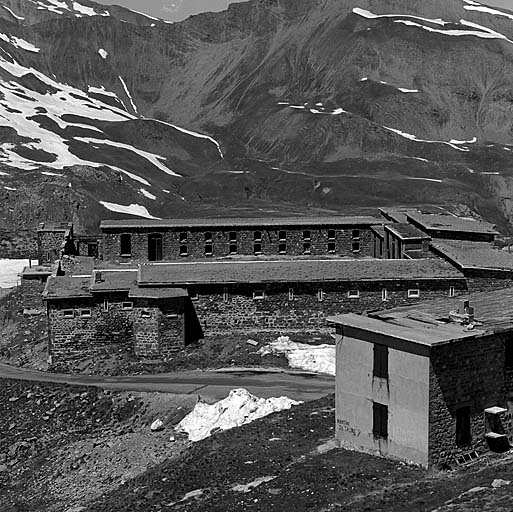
point(430, 384)
point(159, 308)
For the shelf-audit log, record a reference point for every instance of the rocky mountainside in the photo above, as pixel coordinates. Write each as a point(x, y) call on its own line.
point(270, 106)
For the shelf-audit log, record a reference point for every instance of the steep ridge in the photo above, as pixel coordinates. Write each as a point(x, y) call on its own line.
point(272, 105)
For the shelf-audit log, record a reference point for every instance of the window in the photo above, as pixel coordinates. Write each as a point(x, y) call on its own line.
point(68, 313)
point(226, 296)
point(463, 430)
point(320, 295)
point(257, 236)
point(282, 248)
point(355, 246)
point(384, 295)
point(127, 306)
point(380, 368)
point(332, 247)
point(209, 247)
point(413, 294)
point(257, 249)
point(356, 234)
point(105, 305)
point(125, 242)
point(452, 292)
point(171, 316)
point(183, 237)
point(258, 295)
point(183, 250)
point(85, 313)
point(145, 313)
point(307, 248)
point(353, 294)
point(233, 242)
point(92, 250)
point(193, 295)
point(155, 247)
point(508, 354)
point(307, 236)
point(331, 234)
point(379, 420)
point(291, 293)
point(282, 235)
point(208, 237)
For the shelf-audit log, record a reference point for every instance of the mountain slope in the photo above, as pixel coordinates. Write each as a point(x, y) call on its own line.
point(272, 105)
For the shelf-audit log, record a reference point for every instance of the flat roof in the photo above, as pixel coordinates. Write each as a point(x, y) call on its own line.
point(406, 231)
point(38, 270)
point(78, 265)
point(439, 222)
point(157, 293)
point(113, 281)
point(277, 222)
point(293, 271)
point(55, 226)
point(474, 255)
point(397, 214)
point(67, 287)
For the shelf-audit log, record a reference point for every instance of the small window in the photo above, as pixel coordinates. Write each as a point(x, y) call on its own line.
point(125, 242)
point(183, 237)
point(127, 306)
point(226, 295)
point(380, 420)
point(145, 313)
point(355, 246)
point(307, 248)
point(331, 234)
point(463, 427)
point(307, 235)
point(233, 249)
point(85, 313)
point(356, 234)
point(171, 316)
point(452, 292)
point(282, 235)
point(208, 237)
point(380, 367)
point(209, 250)
point(184, 251)
point(257, 248)
point(282, 248)
point(291, 293)
point(508, 354)
point(257, 236)
point(68, 313)
point(353, 294)
point(105, 305)
point(384, 294)
point(259, 295)
point(193, 295)
point(233, 237)
point(332, 247)
point(413, 294)
point(320, 295)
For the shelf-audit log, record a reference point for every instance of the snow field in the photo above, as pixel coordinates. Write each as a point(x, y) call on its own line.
point(238, 408)
point(313, 358)
point(10, 270)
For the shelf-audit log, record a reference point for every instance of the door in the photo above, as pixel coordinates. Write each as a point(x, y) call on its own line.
point(155, 247)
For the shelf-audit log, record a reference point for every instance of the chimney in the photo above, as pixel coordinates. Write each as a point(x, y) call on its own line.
point(464, 305)
point(98, 277)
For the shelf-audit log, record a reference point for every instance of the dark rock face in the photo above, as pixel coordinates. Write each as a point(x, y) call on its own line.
point(340, 104)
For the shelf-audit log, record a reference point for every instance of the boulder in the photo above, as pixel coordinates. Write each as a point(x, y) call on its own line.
point(157, 425)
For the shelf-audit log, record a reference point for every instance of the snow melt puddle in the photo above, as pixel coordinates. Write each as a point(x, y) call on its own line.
point(10, 270)
point(132, 209)
point(313, 358)
point(238, 408)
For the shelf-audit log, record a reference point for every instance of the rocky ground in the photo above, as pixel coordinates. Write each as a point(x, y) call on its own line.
point(76, 449)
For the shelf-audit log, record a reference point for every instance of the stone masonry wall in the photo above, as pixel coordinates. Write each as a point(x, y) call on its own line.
point(465, 373)
point(228, 308)
point(245, 243)
point(31, 290)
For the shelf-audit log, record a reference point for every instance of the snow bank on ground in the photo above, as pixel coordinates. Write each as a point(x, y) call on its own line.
point(9, 270)
point(238, 408)
point(314, 358)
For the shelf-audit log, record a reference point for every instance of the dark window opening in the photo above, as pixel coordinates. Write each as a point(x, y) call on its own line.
point(92, 250)
point(307, 248)
point(463, 430)
point(332, 247)
point(331, 234)
point(233, 237)
point(508, 354)
point(183, 250)
point(379, 420)
point(233, 248)
point(258, 248)
point(183, 237)
point(282, 248)
point(208, 237)
point(356, 246)
point(307, 235)
point(155, 247)
point(356, 233)
point(125, 245)
point(257, 236)
point(282, 236)
point(380, 361)
point(209, 250)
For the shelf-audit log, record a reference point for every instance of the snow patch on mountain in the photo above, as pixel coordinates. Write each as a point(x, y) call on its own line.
point(131, 209)
point(103, 53)
point(475, 6)
point(147, 194)
point(17, 42)
point(128, 93)
point(238, 408)
point(453, 144)
point(58, 7)
point(21, 18)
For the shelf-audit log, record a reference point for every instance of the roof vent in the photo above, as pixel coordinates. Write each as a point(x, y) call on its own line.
point(98, 278)
point(464, 315)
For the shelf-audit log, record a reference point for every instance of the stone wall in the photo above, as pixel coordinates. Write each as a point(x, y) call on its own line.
point(51, 245)
point(31, 290)
point(465, 373)
point(270, 243)
point(297, 306)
